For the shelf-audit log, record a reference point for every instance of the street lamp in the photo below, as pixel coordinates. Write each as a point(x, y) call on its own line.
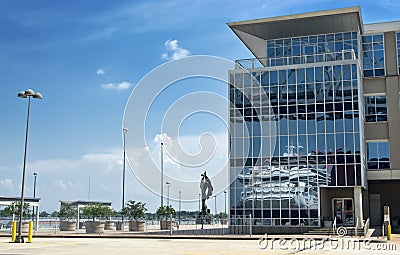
point(162, 174)
point(34, 196)
point(124, 130)
point(25, 94)
point(180, 199)
point(215, 200)
point(168, 183)
point(225, 200)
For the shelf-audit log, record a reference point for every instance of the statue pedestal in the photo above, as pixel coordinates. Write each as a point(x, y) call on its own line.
point(203, 218)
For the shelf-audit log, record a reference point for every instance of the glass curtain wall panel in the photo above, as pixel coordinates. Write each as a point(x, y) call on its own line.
point(316, 142)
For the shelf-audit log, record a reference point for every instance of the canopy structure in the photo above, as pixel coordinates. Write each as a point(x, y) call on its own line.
point(81, 203)
point(34, 202)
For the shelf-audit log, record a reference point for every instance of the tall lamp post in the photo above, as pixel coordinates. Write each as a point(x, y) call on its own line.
point(215, 200)
point(168, 183)
point(34, 196)
point(124, 130)
point(25, 94)
point(225, 200)
point(162, 174)
point(180, 199)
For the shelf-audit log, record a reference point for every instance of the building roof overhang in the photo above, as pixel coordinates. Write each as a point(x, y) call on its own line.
point(79, 203)
point(254, 33)
point(28, 200)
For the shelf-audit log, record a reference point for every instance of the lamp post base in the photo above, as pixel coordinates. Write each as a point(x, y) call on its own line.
point(19, 239)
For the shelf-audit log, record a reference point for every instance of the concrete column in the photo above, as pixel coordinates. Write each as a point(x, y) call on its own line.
point(392, 100)
point(358, 206)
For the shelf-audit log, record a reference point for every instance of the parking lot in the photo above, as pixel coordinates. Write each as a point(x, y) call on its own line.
point(100, 246)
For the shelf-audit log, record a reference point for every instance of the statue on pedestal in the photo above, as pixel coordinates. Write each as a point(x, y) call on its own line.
point(206, 192)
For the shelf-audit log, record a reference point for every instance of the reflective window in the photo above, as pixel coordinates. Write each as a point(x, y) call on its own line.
point(398, 51)
point(311, 49)
point(375, 108)
point(373, 55)
point(317, 141)
point(378, 155)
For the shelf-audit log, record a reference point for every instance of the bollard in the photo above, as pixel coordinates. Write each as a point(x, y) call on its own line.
point(13, 231)
point(389, 233)
point(30, 231)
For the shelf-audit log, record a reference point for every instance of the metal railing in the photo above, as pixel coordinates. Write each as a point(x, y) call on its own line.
point(295, 60)
point(366, 227)
point(334, 225)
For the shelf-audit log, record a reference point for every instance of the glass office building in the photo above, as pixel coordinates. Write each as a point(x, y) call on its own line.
point(298, 152)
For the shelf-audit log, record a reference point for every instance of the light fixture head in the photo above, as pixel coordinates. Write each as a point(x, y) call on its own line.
point(29, 92)
point(22, 94)
point(37, 95)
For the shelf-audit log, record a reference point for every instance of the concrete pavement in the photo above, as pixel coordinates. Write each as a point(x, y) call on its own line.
point(196, 245)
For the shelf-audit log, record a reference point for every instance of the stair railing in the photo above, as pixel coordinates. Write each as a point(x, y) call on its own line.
point(356, 228)
point(334, 225)
point(366, 227)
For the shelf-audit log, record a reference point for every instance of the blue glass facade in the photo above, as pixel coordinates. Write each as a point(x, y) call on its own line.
point(378, 155)
point(308, 92)
point(375, 108)
point(398, 51)
point(311, 49)
point(373, 55)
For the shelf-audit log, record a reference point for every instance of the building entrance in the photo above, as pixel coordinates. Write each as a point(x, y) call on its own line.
point(343, 211)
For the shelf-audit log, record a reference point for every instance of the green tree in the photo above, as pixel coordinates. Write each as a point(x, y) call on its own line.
point(68, 212)
point(134, 209)
point(165, 211)
point(222, 215)
point(14, 208)
point(96, 211)
point(44, 214)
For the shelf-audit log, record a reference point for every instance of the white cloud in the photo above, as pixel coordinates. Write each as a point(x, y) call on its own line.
point(68, 178)
point(174, 51)
point(60, 184)
point(7, 183)
point(117, 86)
point(101, 71)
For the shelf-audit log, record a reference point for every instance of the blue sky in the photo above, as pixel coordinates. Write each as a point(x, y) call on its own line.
point(85, 57)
